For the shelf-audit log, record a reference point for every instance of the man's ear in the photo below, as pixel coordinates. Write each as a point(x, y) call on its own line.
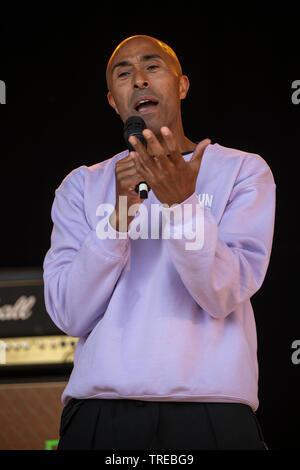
point(112, 102)
point(184, 86)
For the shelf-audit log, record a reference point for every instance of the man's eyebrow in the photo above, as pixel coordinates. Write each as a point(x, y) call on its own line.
point(125, 63)
point(150, 56)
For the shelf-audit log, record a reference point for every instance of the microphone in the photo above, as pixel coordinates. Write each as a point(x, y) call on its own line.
point(135, 126)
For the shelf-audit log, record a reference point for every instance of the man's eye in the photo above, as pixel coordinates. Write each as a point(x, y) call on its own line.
point(152, 67)
point(123, 74)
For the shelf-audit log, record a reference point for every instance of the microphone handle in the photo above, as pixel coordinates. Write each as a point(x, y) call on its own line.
point(142, 189)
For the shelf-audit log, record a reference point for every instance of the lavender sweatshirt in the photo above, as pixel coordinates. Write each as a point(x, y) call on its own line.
point(157, 317)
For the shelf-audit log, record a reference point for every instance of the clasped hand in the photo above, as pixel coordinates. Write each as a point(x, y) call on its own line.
point(171, 178)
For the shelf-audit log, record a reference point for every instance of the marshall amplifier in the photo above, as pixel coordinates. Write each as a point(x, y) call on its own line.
point(22, 307)
point(27, 334)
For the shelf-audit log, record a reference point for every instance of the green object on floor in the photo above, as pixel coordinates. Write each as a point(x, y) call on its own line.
point(50, 444)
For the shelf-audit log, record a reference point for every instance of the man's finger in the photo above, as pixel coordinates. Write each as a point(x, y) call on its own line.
point(125, 160)
point(141, 150)
point(174, 154)
point(199, 150)
point(155, 149)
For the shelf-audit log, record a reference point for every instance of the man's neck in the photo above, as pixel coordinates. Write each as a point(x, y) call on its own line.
point(188, 146)
point(184, 144)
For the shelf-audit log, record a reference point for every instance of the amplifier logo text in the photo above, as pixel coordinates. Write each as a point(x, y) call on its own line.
point(21, 310)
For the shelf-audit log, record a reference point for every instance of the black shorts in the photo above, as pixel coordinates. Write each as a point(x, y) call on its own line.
point(119, 424)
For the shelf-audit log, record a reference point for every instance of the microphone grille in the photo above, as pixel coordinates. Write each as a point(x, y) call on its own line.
point(134, 126)
point(134, 123)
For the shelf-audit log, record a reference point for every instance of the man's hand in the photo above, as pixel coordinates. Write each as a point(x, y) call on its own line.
point(127, 177)
point(171, 178)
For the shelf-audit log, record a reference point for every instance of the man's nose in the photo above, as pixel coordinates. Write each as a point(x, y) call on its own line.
point(141, 80)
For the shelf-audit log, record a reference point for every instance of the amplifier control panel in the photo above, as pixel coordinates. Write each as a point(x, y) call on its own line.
point(37, 350)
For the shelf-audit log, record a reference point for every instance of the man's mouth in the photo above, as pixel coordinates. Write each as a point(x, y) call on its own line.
point(146, 104)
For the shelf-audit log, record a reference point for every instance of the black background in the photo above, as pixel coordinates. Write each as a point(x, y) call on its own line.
point(241, 65)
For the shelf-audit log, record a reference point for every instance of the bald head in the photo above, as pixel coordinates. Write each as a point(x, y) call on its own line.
point(143, 67)
point(162, 49)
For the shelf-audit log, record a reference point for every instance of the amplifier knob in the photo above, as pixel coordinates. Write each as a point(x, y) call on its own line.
point(16, 346)
point(26, 345)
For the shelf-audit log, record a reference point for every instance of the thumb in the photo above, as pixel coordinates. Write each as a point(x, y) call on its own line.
point(199, 150)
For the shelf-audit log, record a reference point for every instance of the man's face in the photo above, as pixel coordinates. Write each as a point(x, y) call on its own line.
point(144, 81)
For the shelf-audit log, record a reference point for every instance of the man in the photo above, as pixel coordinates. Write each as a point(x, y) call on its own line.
point(166, 356)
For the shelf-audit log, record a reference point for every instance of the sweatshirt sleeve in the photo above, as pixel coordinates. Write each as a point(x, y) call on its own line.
point(80, 269)
point(228, 263)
